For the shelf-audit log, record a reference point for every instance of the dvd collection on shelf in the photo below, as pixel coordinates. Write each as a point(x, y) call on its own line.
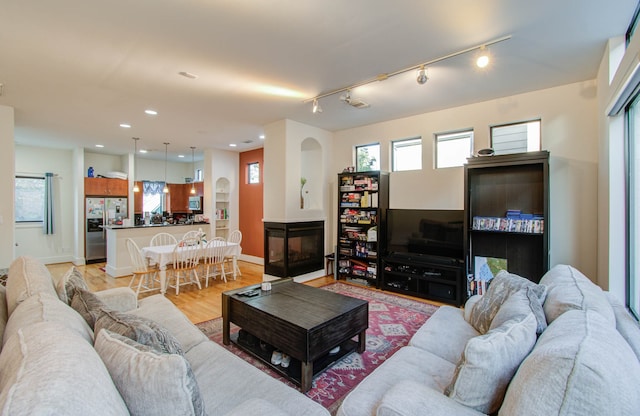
point(514, 222)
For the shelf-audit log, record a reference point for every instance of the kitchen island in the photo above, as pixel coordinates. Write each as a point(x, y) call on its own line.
point(118, 260)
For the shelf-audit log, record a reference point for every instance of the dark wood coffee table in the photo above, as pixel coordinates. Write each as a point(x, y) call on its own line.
point(302, 321)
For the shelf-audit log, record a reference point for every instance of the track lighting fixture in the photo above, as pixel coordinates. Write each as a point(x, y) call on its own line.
point(316, 107)
point(136, 188)
point(422, 76)
point(482, 61)
point(166, 188)
point(483, 57)
point(193, 170)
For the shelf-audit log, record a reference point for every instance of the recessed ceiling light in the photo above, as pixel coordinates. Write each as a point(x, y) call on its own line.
point(100, 145)
point(143, 150)
point(125, 125)
point(188, 75)
point(262, 137)
point(151, 112)
point(232, 145)
point(180, 155)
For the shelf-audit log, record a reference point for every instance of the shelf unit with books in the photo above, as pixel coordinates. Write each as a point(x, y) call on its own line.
point(506, 216)
point(363, 199)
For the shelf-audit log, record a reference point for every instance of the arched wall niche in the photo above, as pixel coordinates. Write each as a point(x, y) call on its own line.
point(310, 174)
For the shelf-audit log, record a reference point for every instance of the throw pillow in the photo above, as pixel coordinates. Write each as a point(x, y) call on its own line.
point(67, 283)
point(501, 287)
point(489, 362)
point(88, 305)
point(142, 330)
point(27, 276)
point(150, 383)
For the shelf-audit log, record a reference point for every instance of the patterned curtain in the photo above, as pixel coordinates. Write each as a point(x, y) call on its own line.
point(48, 225)
point(152, 187)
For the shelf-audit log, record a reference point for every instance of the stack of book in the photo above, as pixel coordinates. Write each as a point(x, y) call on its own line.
point(514, 222)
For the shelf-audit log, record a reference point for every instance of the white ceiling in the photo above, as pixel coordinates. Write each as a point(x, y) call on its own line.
point(75, 69)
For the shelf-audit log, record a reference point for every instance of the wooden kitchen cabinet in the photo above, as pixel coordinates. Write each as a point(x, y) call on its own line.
point(137, 199)
point(178, 197)
point(106, 187)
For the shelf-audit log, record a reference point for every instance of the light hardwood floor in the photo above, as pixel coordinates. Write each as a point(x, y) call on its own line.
point(198, 305)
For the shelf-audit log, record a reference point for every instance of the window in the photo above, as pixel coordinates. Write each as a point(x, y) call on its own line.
point(453, 149)
point(198, 175)
point(29, 199)
point(254, 172)
point(407, 154)
point(368, 157)
point(516, 137)
point(633, 206)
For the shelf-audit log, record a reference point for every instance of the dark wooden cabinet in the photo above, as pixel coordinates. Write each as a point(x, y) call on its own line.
point(106, 187)
point(507, 212)
point(137, 199)
point(363, 199)
point(178, 198)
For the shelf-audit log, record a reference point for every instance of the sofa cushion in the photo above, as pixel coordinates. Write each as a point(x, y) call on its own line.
point(27, 276)
point(121, 299)
point(446, 323)
point(626, 325)
point(501, 287)
point(164, 312)
point(407, 364)
point(256, 407)
point(142, 330)
point(150, 382)
point(68, 282)
point(580, 366)
point(489, 362)
point(88, 305)
point(48, 369)
point(44, 307)
point(4, 316)
point(569, 289)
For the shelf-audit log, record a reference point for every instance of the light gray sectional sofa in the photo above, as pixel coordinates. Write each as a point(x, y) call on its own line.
point(563, 347)
point(52, 362)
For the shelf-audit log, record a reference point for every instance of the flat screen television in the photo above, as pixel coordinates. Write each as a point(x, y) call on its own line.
point(426, 232)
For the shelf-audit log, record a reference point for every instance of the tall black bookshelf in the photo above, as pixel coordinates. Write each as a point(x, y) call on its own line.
point(363, 199)
point(507, 213)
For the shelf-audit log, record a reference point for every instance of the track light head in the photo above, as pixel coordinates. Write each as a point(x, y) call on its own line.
point(316, 107)
point(346, 97)
point(482, 59)
point(422, 76)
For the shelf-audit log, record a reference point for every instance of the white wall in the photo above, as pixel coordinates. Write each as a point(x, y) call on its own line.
point(6, 186)
point(569, 133)
point(30, 239)
point(615, 70)
point(221, 164)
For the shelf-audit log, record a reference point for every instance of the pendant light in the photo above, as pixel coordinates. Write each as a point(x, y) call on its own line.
point(136, 188)
point(166, 188)
point(193, 184)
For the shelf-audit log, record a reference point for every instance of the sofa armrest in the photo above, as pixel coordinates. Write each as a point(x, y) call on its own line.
point(409, 398)
point(121, 299)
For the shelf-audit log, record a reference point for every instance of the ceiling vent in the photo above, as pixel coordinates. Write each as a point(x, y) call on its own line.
point(353, 102)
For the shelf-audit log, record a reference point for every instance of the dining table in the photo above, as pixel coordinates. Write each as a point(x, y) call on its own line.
point(163, 255)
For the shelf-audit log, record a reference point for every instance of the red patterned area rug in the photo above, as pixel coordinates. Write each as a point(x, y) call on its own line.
point(392, 322)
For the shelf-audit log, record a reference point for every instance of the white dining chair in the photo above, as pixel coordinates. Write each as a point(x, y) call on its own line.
point(163, 239)
point(235, 237)
point(214, 255)
point(146, 275)
point(197, 234)
point(184, 270)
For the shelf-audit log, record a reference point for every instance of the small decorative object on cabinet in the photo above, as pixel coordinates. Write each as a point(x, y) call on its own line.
point(221, 219)
point(363, 199)
point(506, 216)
